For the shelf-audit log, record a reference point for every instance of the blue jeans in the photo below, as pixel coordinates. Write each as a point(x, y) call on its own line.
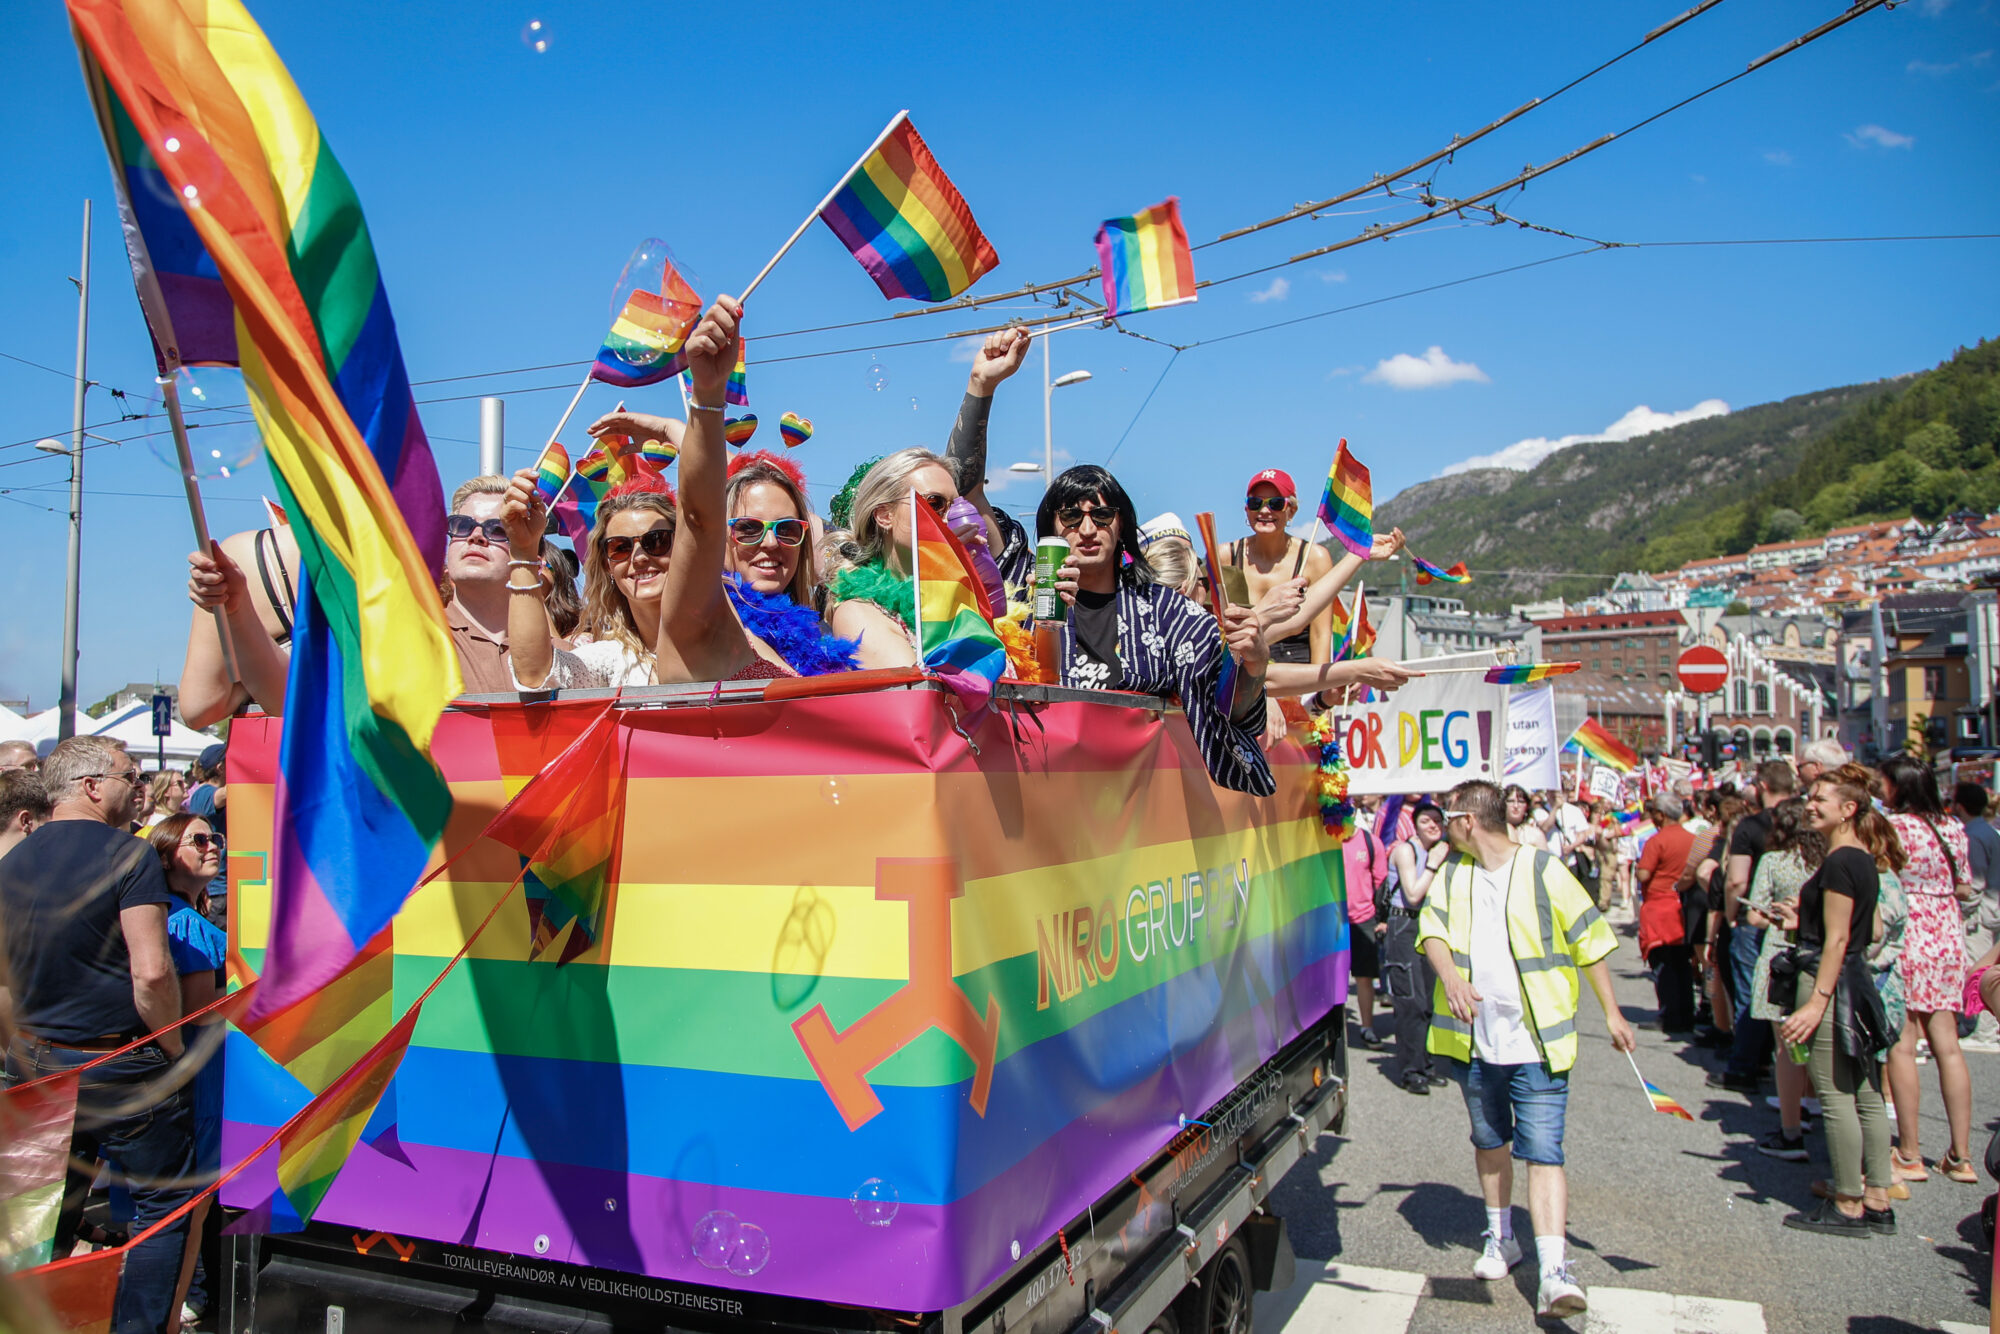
point(1752, 1044)
point(1518, 1104)
point(123, 1116)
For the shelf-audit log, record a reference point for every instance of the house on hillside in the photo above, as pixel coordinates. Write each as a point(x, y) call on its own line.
point(1807, 552)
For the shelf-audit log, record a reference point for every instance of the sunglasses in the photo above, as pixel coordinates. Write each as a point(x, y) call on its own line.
point(1458, 815)
point(1265, 504)
point(656, 542)
point(206, 841)
point(938, 501)
point(461, 527)
point(1072, 516)
point(750, 532)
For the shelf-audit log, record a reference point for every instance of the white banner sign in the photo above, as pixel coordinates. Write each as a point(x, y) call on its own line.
point(1532, 740)
point(1606, 782)
point(1431, 735)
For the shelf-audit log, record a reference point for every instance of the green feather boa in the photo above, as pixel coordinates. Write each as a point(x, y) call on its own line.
point(875, 582)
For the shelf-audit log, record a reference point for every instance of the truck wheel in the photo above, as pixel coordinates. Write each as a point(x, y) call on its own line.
point(1164, 1323)
point(1222, 1302)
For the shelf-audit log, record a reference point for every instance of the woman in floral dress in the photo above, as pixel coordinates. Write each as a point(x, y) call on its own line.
point(1936, 879)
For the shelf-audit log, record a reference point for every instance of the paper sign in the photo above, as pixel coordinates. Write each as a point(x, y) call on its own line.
point(1532, 741)
point(1606, 782)
point(1432, 734)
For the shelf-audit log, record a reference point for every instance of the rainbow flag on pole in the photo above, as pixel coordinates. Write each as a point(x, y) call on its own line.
point(552, 472)
point(1529, 673)
point(1145, 260)
point(954, 623)
point(901, 216)
point(644, 345)
point(359, 802)
point(738, 389)
point(1600, 745)
point(1347, 506)
point(1428, 573)
point(1662, 1104)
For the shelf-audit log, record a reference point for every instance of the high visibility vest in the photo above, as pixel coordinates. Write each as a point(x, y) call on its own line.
point(1554, 929)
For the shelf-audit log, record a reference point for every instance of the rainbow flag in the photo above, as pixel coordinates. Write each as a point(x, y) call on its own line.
point(1600, 745)
point(901, 216)
point(552, 472)
point(1347, 506)
point(738, 390)
point(955, 631)
point(1364, 633)
point(1145, 260)
point(36, 1122)
point(1664, 1104)
point(644, 345)
point(359, 802)
point(1211, 562)
point(1428, 573)
point(80, 1291)
point(1529, 673)
point(1353, 636)
point(564, 825)
point(1629, 818)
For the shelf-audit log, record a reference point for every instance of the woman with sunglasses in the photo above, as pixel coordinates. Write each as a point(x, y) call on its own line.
point(1271, 555)
point(870, 595)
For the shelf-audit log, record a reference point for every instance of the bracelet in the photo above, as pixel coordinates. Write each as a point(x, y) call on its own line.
point(536, 588)
point(706, 407)
point(537, 564)
point(1818, 992)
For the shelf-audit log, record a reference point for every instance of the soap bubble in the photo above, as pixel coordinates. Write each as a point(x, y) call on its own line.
point(191, 155)
point(876, 1202)
point(646, 271)
point(713, 1237)
point(536, 36)
point(833, 790)
point(223, 438)
point(749, 1250)
point(876, 377)
point(913, 405)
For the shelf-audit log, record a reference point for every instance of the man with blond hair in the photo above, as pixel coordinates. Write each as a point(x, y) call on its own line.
point(86, 910)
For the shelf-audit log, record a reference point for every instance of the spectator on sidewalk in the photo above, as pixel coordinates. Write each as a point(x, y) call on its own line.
point(1791, 856)
point(1367, 866)
point(1512, 936)
point(1663, 937)
point(1737, 943)
point(24, 804)
point(1982, 915)
point(210, 800)
point(86, 910)
point(1406, 975)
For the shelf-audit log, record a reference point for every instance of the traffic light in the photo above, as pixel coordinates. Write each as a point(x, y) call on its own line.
point(1712, 742)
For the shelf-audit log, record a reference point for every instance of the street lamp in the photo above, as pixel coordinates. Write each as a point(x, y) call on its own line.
point(1049, 388)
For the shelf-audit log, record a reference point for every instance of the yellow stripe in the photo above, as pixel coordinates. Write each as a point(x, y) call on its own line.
point(284, 124)
point(1150, 262)
point(918, 214)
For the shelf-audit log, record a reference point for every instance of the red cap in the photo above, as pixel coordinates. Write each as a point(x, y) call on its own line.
point(1277, 477)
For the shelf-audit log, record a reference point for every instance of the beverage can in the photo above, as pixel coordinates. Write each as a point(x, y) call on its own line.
point(1050, 555)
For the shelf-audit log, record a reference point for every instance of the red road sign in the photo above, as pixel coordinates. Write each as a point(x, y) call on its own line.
point(1702, 670)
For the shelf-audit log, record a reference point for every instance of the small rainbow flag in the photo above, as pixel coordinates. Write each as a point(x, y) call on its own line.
point(1529, 672)
point(1145, 260)
point(1662, 1104)
point(565, 827)
point(954, 622)
point(738, 389)
point(1353, 635)
point(1629, 818)
point(552, 472)
point(1600, 745)
point(644, 345)
point(1347, 506)
point(1428, 573)
point(900, 215)
point(1364, 633)
point(1225, 683)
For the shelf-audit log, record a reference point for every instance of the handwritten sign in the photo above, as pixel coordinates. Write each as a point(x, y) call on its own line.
point(1431, 735)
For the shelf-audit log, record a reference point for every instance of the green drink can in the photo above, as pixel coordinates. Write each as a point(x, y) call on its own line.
point(1051, 553)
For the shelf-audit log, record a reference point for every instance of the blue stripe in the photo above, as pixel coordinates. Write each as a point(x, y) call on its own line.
point(857, 227)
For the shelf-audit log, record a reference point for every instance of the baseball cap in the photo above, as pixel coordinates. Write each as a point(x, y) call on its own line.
point(1165, 525)
point(1277, 477)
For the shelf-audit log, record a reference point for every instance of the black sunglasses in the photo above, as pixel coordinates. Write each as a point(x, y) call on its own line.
point(937, 500)
point(461, 527)
point(1265, 504)
point(750, 532)
point(204, 840)
point(1072, 516)
point(655, 542)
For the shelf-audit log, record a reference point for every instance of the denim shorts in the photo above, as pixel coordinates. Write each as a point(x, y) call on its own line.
point(1522, 1105)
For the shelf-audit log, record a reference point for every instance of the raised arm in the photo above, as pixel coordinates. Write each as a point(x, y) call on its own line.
point(208, 693)
point(530, 642)
point(998, 358)
point(1321, 592)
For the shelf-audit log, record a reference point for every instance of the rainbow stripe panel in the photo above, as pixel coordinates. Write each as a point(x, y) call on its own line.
point(1145, 260)
point(1429, 573)
point(869, 1010)
point(901, 216)
point(954, 623)
point(552, 472)
point(359, 801)
point(1600, 745)
point(1347, 506)
point(644, 345)
point(1529, 672)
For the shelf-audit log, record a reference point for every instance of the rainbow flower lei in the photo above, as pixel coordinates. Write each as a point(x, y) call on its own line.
point(1336, 812)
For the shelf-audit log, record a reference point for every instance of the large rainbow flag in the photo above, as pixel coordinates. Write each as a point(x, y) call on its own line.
point(1347, 506)
point(359, 802)
point(901, 216)
point(1145, 260)
point(954, 622)
point(970, 1012)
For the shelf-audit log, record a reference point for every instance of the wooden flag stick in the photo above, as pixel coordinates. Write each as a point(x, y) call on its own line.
point(840, 185)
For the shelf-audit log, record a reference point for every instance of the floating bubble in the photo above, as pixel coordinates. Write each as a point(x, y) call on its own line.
point(876, 1202)
point(833, 790)
point(913, 405)
point(223, 438)
point(713, 1237)
point(536, 36)
point(876, 377)
point(749, 1250)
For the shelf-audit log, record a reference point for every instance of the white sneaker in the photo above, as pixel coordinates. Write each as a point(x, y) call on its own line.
point(1501, 1254)
point(1979, 1042)
point(1560, 1297)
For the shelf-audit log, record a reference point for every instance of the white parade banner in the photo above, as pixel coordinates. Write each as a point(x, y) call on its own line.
point(1532, 741)
point(1429, 736)
point(1608, 783)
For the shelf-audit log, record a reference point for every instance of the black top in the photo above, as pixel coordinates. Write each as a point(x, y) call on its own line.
point(61, 890)
point(1846, 871)
point(1753, 834)
point(1096, 628)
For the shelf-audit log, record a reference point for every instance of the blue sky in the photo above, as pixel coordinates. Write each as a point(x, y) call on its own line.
point(505, 187)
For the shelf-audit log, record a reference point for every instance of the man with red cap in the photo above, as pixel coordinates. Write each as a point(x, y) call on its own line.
point(1271, 555)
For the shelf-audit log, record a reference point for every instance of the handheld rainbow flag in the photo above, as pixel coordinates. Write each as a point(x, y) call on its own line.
point(738, 389)
point(1364, 633)
point(359, 802)
point(1661, 1103)
point(1145, 260)
point(1353, 636)
point(564, 825)
point(1428, 573)
point(1629, 818)
point(1211, 565)
point(1347, 506)
point(955, 630)
point(1600, 745)
point(903, 219)
point(645, 342)
point(552, 472)
point(1529, 673)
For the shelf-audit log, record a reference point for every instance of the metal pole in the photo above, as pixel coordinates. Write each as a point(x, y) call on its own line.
point(492, 436)
point(66, 709)
point(1048, 421)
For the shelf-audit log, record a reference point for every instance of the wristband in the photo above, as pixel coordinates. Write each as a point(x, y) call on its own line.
point(716, 408)
point(536, 564)
point(1818, 992)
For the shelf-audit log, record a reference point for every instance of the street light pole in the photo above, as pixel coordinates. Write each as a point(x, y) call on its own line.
point(1048, 419)
point(66, 709)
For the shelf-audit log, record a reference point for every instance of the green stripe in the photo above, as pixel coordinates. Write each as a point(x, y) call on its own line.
point(333, 258)
point(899, 229)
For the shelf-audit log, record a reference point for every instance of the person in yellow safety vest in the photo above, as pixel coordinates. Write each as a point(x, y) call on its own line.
point(1507, 930)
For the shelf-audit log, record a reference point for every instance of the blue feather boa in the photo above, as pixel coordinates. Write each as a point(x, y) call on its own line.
point(794, 633)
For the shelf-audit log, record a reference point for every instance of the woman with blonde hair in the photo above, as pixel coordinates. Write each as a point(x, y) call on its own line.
point(165, 796)
point(870, 595)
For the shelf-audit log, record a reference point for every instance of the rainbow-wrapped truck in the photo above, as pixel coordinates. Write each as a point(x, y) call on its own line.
point(885, 1016)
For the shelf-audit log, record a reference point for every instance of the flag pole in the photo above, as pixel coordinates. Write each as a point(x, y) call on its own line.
point(574, 400)
point(1641, 1078)
point(170, 396)
point(845, 177)
point(916, 577)
point(1073, 324)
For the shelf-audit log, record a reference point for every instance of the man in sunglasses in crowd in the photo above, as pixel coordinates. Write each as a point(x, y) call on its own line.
point(1271, 555)
point(1125, 631)
point(475, 561)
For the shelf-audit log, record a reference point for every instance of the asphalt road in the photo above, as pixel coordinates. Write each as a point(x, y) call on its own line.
point(1656, 1204)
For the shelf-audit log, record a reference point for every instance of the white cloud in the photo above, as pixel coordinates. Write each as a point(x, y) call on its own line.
point(1880, 137)
point(1778, 157)
point(1333, 275)
point(1642, 420)
point(1279, 289)
point(1433, 370)
point(1938, 71)
point(966, 350)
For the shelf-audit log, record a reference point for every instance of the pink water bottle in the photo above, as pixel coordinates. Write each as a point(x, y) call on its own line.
point(962, 513)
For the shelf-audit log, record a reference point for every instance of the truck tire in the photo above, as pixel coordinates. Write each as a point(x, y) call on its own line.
point(1221, 1302)
point(1164, 1322)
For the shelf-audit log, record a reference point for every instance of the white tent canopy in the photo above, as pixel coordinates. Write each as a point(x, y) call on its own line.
point(133, 725)
point(42, 728)
point(13, 727)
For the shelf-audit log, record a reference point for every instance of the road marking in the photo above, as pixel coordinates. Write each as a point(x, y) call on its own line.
point(1638, 1311)
point(1342, 1297)
point(1960, 1327)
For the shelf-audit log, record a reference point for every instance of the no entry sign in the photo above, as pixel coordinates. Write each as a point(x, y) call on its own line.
point(1702, 670)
